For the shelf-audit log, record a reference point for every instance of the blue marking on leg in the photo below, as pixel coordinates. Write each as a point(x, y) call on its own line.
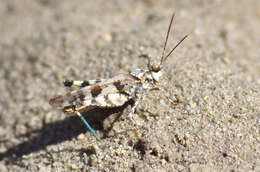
point(87, 124)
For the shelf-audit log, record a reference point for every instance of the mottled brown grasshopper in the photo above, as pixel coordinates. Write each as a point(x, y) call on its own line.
point(113, 92)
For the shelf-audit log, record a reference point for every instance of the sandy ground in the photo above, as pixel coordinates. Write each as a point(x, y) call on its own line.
point(213, 80)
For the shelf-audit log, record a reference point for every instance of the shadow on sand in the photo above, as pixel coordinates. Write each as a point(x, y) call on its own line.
point(57, 132)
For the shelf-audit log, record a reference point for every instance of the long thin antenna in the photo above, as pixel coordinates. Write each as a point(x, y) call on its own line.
point(176, 46)
point(166, 39)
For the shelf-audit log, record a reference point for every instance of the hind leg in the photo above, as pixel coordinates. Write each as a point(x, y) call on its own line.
point(80, 84)
point(87, 124)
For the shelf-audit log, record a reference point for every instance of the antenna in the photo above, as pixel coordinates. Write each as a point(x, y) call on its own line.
point(176, 46)
point(166, 39)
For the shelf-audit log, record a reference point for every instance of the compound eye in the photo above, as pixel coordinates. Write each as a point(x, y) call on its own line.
point(156, 68)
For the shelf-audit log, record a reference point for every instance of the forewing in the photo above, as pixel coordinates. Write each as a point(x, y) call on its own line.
point(113, 92)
